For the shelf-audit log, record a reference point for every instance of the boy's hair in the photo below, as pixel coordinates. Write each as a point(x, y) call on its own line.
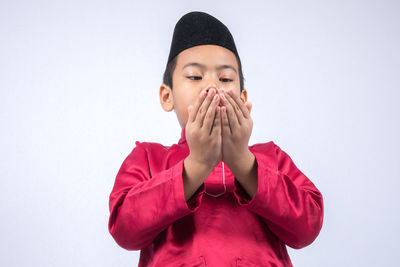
point(169, 70)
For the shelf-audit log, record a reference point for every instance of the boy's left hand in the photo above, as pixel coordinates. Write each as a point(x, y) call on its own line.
point(237, 126)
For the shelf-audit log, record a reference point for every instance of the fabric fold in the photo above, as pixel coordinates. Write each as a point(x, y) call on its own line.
point(143, 206)
point(287, 201)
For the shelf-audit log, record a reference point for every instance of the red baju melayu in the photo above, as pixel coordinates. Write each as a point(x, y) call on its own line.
point(220, 225)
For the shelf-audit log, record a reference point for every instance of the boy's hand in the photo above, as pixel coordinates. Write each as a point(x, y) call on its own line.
point(203, 130)
point(237, 126)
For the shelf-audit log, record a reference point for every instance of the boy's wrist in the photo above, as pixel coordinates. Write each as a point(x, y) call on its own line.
point(194, 174)
point(197, 166)
point(241, 166)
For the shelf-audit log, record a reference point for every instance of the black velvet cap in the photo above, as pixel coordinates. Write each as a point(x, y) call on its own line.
point(200, 28)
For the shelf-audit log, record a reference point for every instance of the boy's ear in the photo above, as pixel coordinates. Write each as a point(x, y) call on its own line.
point(166, 99)
point(243, 95)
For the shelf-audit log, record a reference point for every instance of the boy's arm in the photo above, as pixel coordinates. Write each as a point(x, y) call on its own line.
point(287, 201)
point(142, 206)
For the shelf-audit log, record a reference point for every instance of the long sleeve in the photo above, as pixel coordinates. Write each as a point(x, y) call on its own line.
point(287, 201)
point(142, 204)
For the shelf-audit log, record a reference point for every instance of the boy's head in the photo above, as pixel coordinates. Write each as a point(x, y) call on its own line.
point(202, 56)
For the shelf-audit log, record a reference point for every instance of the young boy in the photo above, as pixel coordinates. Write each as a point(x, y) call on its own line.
point(211, 199)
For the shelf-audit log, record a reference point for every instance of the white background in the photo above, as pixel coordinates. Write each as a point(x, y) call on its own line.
point(79, 85)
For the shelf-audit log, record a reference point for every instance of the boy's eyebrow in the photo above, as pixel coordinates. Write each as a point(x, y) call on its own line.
point(203, 66)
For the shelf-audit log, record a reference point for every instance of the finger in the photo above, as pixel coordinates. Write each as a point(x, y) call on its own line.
point(226, 129)
point(239, 102)
point(189, 108)
point(216, 129)
point(210, 114)
point(236, 109)
point(232, 118)
point(195, 107)
point(203, 108)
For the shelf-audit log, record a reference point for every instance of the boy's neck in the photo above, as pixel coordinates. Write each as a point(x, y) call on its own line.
point(183, 136)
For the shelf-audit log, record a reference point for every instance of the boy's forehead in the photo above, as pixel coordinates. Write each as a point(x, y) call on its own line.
point(206, 56)
point(205, 66)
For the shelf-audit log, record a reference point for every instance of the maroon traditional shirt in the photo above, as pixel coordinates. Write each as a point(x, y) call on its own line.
point(220, 225)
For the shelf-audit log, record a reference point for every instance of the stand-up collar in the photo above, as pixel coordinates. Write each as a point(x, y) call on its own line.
point(182, 140)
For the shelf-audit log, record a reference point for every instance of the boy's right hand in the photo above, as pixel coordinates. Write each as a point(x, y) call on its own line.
point(203, 130)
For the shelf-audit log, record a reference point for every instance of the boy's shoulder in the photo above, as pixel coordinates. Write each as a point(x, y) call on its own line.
point(158, 149)
point(265, 147)
point(270, 152)
point(151, 146)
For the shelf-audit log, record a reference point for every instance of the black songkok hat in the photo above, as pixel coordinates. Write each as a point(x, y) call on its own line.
point(199, 28)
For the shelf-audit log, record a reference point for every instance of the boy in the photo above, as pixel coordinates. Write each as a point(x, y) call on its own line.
point(210, 199)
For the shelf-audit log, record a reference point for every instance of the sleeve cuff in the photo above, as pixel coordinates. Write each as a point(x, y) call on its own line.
point(194, 202)
point(265, 176)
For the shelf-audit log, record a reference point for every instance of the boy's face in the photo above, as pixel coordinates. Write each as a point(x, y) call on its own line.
point(200, 68)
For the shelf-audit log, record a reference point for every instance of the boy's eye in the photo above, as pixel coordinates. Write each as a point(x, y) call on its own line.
point(194, 77)
point(199, 78)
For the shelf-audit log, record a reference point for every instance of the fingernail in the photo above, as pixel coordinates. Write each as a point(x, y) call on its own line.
point(215, 98)
point(202, 93)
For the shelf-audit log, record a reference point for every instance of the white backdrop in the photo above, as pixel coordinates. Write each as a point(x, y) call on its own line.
point(79, 85)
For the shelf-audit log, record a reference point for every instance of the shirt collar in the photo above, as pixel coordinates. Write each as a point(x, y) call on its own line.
point(182, 140)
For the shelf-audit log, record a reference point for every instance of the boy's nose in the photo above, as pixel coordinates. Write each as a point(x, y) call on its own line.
point(217, 90)
point(212, 87)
